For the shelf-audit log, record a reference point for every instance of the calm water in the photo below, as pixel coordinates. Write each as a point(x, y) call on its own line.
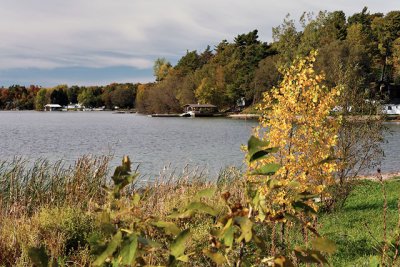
point(208, 143)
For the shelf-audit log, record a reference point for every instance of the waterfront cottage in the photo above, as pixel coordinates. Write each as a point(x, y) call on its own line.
point(200, 110)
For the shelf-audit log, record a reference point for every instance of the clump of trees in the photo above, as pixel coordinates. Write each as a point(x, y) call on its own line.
point(18, 97)
point(363, 47)
point(35, 97)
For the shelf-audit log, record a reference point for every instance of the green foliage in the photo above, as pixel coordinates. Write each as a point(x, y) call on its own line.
point(129, 243)
point(361, 245)
point(41, 99)
point(161, 68)
point(60, 232)
point(39, 256)
point(58, 95)
point(74, 225)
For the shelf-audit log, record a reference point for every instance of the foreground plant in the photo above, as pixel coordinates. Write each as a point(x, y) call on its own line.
point(285, 183)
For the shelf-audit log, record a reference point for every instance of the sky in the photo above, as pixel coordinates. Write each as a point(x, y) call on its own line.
point(98, 42)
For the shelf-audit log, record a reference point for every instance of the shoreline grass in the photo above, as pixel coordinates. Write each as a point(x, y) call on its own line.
point(53, 206)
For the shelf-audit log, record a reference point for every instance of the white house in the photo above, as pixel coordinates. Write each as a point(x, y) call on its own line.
point(391, 109)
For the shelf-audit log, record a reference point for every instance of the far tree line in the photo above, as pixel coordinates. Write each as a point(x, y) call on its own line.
point(360, 52)
point(35, 97)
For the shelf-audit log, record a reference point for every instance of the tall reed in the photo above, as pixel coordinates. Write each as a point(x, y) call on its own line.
point(25, 185)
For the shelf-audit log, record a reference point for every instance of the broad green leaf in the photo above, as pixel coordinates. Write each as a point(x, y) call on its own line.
point(184, 258)
point(246, 228)
point(178, 245)
point(128, 251)
point(267, 169)
point(256, 198)
point(228, 236)
point(112, 246)
point(261, 214)
point(169, 227)
point(300, 205)
point(216, 232)
point(257, 148)
point(263, 153)
point(136, 199)
point(216, 257)
point(192, 208)
point(374, 261)
point(38, 256)
point(202, 207)
point(324, 245)
point(228, 224)
point(208, 192)
point(255, 144)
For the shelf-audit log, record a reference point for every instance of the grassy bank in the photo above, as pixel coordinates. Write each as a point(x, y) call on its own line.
point(357, 228)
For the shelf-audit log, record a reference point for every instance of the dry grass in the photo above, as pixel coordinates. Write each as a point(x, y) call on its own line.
point(48, 204)
point(26, 186)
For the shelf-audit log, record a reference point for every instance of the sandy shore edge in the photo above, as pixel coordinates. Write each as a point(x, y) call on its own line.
point(375, 177)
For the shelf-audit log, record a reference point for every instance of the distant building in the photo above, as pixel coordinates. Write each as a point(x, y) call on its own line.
point(391, 109)
point(52, 107)
point(200, 110)
point(74, 107)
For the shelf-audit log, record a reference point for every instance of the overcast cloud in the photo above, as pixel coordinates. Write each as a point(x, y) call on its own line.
point(88, 42)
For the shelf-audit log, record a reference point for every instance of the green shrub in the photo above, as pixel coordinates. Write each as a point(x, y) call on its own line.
point(63, 230)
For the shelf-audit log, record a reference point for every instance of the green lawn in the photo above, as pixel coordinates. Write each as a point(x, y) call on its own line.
point(357, 228)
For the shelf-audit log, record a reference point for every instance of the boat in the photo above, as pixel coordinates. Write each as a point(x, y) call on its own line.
point(53, 107)
point(185, 114)
point(199, 110)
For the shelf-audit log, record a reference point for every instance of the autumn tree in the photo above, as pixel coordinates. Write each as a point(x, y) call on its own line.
point(123, 96)
point(59, 95)
point(161, 68)
point(41, 99)
point(266, 76)
point(297, 116)
point(90, 97)
point(386, 29)
point(188, 63)
point(73, 93)
point(142, 101)
point(286, 40)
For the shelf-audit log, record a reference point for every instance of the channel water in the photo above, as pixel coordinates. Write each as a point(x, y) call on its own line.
point(156, 144)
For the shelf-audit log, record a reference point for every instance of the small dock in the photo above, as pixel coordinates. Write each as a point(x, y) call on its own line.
point(244, 116)
point(164, 115)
